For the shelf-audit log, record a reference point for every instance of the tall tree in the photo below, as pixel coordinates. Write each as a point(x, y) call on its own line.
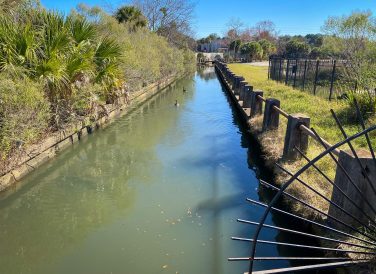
point(234, 28)
point(268, 48)
point(356, 34)
point(132, 16)
point(295, 48)
point(235, 46)
point(252, 49)
point(265, 30)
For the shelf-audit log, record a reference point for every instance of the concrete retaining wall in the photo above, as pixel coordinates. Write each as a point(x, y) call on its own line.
point(40, 153)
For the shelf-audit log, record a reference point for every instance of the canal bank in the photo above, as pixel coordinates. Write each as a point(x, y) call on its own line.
point(49, 147)
point(158, 191)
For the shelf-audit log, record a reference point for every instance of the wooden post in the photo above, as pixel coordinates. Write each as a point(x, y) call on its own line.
point(316, 76)
point(237, 85)
point(295, 137)
point(351, 165)
point(271, 116)
point(332, 80)
point(232, 79)
point(256, 103)
point(241, 90)
point(248, 91)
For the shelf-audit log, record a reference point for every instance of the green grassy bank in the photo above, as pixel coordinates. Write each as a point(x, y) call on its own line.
point(318, 109)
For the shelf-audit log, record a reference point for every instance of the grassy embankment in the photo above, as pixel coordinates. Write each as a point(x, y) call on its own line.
point(318, 109)
point(58, 70)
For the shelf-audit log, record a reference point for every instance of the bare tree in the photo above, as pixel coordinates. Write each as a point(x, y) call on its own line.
point(234, 28)
point(265, 30)
point(167, 15)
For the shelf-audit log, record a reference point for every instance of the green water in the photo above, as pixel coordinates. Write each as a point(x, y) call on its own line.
point(158, 191)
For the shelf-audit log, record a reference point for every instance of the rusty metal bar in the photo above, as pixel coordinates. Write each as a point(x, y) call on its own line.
point(306, 234)
point(303, 246)
point(279, 110)
point(309, 267)
point(317, 210)
point(291, 259)
point(338, 188)
point(328, 200)
point(309, 132)
point(344, 171)
point(364, 172)
point(312, 222)
point(361, 121)
point(283, 113)
point(261, 98)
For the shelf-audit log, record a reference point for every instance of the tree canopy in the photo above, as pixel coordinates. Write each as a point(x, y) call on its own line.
point(131, 15)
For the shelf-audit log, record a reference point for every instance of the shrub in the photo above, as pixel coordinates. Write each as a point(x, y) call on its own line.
point(55, 69)
point(24, 112)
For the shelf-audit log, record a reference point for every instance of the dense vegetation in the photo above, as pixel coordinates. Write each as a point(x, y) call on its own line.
point(55, 69)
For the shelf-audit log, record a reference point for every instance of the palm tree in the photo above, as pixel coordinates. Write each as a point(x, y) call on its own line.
point(132, 16)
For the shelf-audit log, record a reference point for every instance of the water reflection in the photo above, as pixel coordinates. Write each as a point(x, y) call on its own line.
point(206, 72)
point(159, 190)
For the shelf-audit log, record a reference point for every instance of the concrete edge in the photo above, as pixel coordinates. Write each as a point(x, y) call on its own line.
point(52, 145)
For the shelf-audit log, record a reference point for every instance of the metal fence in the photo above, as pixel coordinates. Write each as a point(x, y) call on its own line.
point(321, 77)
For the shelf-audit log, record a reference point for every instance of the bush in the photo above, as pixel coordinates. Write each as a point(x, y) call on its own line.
point(55, 69)
point(365, 101)
point(24, 112)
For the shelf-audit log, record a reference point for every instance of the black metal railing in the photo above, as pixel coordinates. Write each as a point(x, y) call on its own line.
point(320, 77)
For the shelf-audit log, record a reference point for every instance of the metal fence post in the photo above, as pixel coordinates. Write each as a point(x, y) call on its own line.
point(287, 72)
point(304, 73)
point(316, 76)
point(332, 80)
point(280, 70)
point(295, 72)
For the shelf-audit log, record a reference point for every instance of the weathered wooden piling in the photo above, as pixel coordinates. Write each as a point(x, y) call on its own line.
point(295, 137)
point(248, 91)
point(354, 180)
point(256, 103)
point(242, 90)
point(271, 116)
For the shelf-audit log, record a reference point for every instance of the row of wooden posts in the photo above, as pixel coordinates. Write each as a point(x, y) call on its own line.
point(251, 101)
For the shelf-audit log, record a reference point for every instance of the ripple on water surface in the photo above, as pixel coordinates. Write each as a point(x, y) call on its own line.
point(158, 191)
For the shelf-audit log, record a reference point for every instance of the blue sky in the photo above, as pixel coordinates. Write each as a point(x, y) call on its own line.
point(290, 16)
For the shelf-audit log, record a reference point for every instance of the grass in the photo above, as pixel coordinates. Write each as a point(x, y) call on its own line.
point(318, 109)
